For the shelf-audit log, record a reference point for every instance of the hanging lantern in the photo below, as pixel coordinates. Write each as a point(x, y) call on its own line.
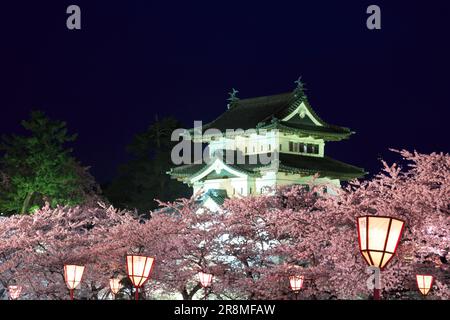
point(296, 282)
point(205, 279)
point(115, 285)
point(424, 283)
point(73, 275)
point(378, 238)
point(138, 270)
point(14, 292)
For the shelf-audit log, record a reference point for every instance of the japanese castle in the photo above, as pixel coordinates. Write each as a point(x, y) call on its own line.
point(284, 125)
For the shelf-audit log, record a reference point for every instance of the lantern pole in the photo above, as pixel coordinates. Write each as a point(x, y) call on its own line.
point(71, 294)
point(376, 294)
point(386, 233)
point(377, 286)
point(136, 294)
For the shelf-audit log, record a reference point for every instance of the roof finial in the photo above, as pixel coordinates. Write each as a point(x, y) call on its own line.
point(233, 98)
point(300, 89)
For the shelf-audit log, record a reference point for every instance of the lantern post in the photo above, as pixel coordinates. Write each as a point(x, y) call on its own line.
point(205, 281)
point(138, 270)
point(296, 284)
point(73, 275)
point(378, 237)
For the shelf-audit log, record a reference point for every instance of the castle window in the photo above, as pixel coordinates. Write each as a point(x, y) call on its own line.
point(302, 148)
point(291, 146)
point(315, 149)
point(250, 190)
point(270, 147)
point(281, 146)
point(245, 149)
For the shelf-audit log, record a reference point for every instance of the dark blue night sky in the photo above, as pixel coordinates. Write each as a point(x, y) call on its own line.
point(135, 59)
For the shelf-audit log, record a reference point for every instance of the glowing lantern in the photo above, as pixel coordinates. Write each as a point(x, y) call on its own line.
point(14, 292)
point(379, 238)
point(378, 241)
point(296, 282)
point(73, 275)
point(205, 279)
point(115, 285)
point(424, 283)
point(138, 270)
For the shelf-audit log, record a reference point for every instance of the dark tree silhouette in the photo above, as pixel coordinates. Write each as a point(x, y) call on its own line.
point(38, 167)
point(144, 177)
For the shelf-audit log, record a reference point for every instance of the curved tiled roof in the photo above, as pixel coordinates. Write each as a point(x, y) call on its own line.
point(261, 111)
point(291, 163)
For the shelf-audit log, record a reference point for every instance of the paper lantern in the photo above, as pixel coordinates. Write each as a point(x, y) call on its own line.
point(378, 238)
point(296, 282)
point(14, 292)
point(205, 279)
point(115, 285)
point(424, 283)
point(138, 270)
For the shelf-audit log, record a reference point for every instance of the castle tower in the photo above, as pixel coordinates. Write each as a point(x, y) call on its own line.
point(284, 125)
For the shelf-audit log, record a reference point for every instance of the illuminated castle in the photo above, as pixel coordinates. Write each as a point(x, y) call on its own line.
point(282, 124)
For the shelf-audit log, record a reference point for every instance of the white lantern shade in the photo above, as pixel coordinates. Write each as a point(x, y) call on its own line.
point(138, 269)
point(296, 282)
point(378, 238)
point(14, 292)
point(73, 275)
point(205, 279)
point(424, 283)
point(115, 285)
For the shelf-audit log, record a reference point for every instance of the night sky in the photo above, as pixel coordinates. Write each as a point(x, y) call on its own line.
point(135, 59)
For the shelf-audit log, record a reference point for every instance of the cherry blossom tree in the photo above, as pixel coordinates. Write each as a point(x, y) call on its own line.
point(181, 238)
point(269, 237)
point(251, 247)
point(294, 231)
point(35, 248)
point(419, 194)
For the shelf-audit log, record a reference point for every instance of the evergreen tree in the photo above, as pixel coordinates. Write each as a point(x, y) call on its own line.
point(38, 168)
point(144, 179)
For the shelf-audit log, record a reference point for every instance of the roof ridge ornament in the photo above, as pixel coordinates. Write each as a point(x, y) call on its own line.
point(232, 97)
point(299, 91)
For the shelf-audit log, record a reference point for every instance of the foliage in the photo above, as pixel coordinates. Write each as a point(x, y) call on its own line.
point(252, 246)
point(182, 241)
point(143, 179)
point(35, 248)
point(38, 168)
